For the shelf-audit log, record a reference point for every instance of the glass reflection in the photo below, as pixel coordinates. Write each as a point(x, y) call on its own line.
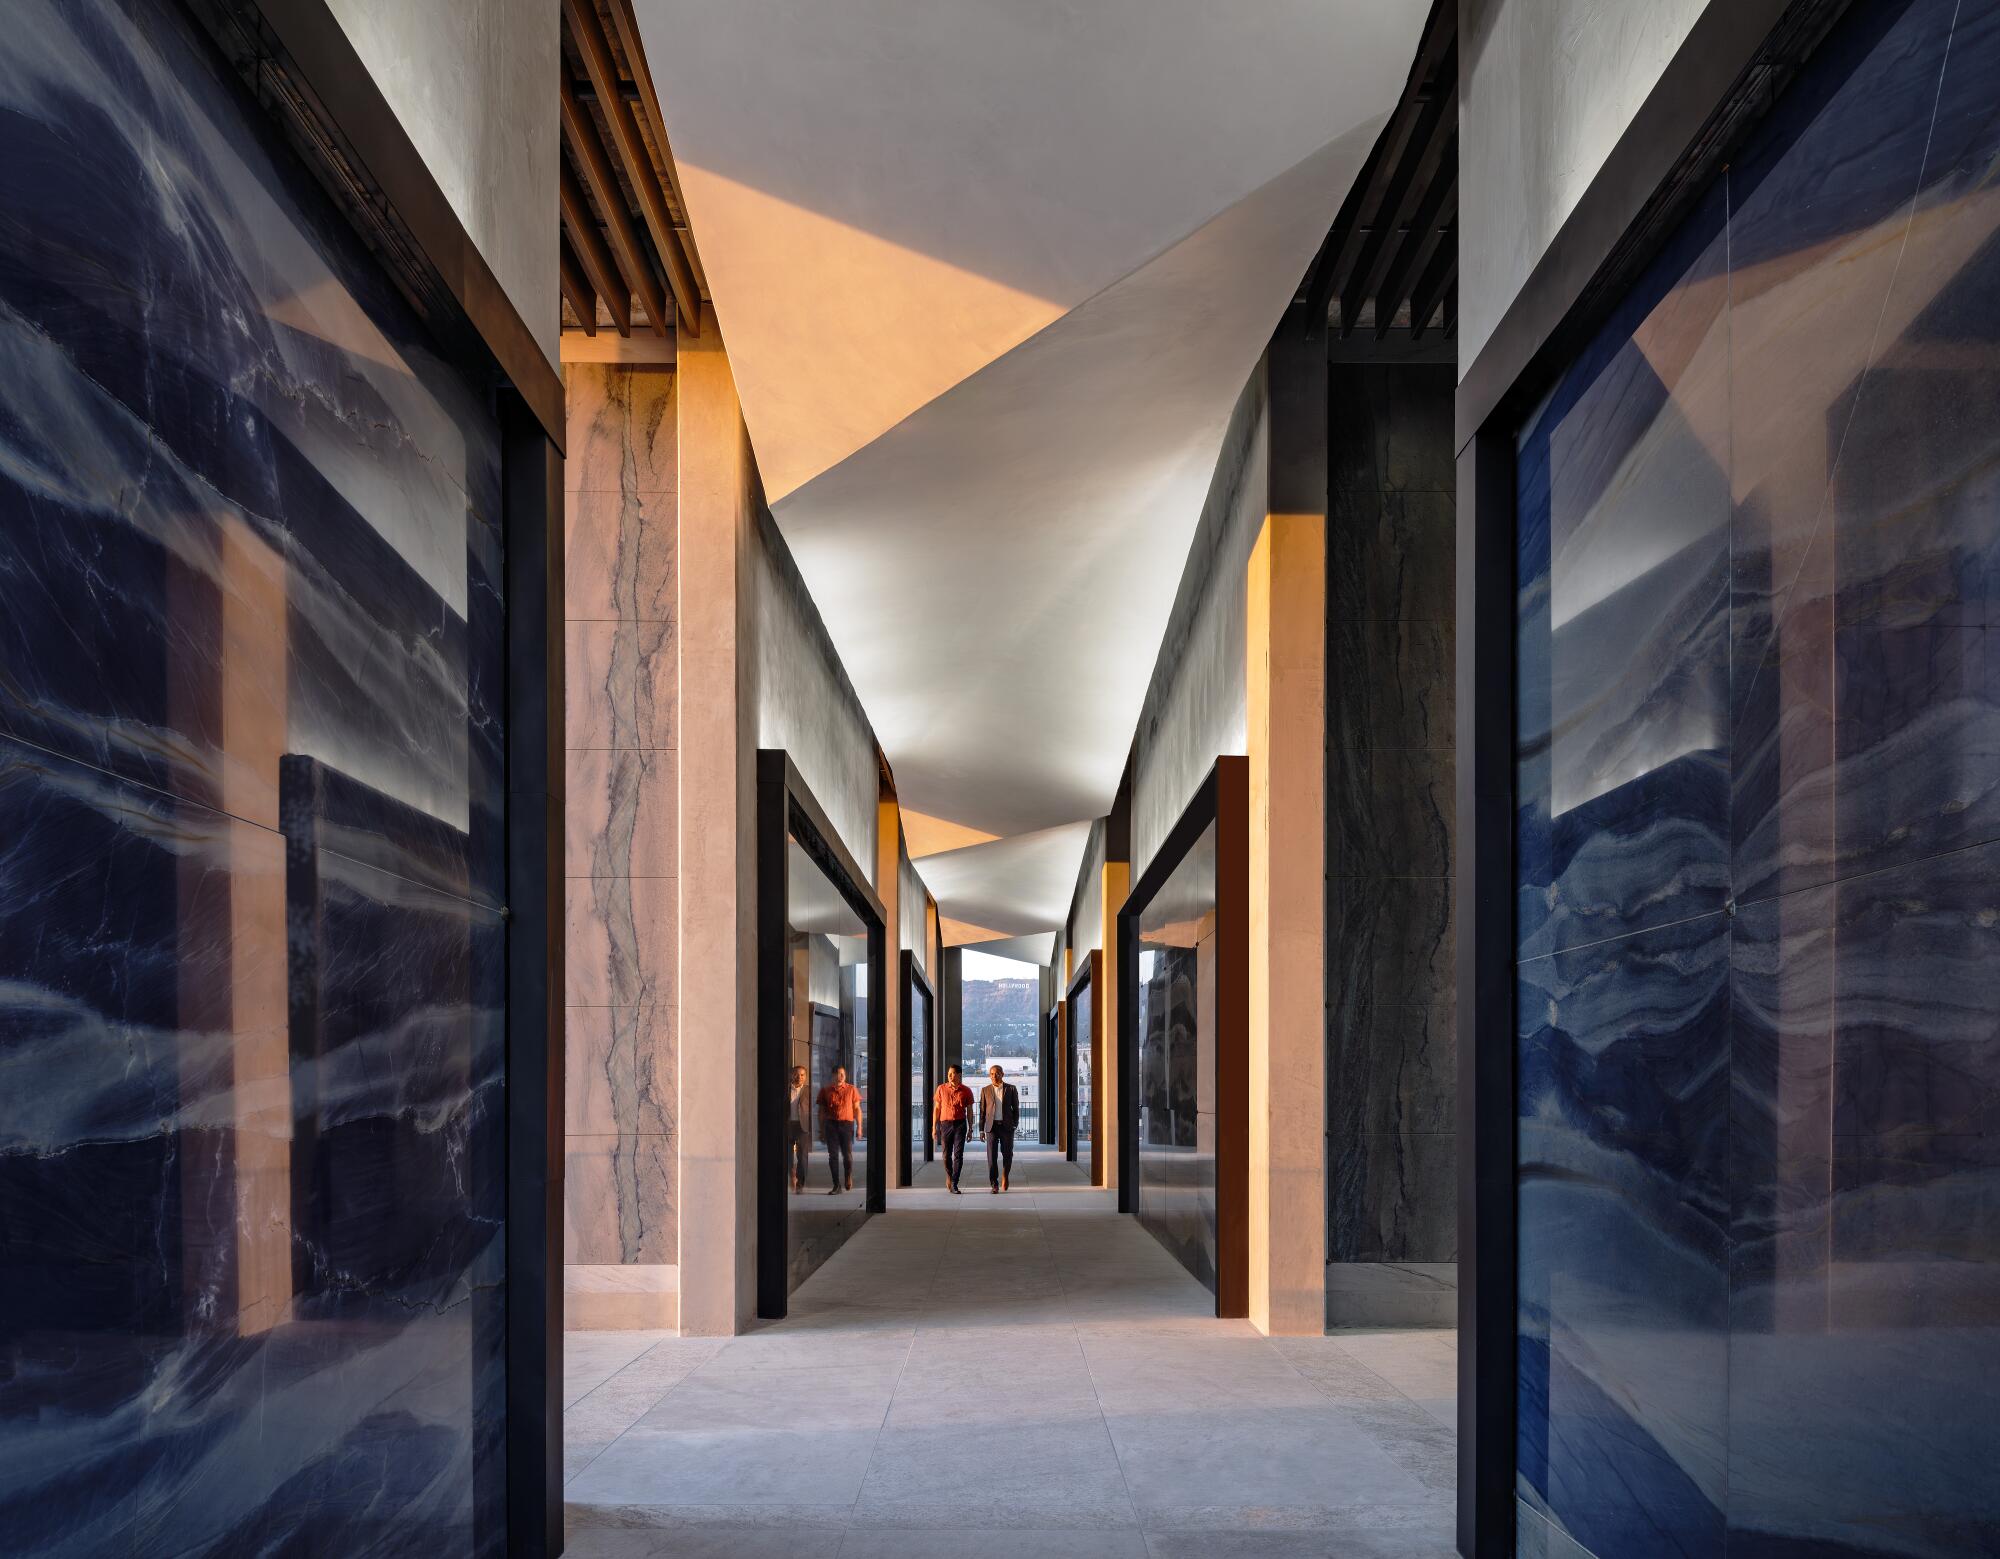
point(1759, 724)
point(920, 1073)
point(1175, 1196)
point(1079, 1071)
point(827, 1080)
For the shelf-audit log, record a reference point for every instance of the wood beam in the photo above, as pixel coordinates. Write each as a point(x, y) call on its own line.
point(631, 148)
point(1441, 273)
point(627, 26)
point(1420, 152)
point(576, 288)
point(580, 132)
point(589, 245)
point(1420, 243)
point(1329, 271)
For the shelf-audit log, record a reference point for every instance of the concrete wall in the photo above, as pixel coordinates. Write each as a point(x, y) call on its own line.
point(474, 83)
point(911, 901)
point(1194, 710)
point(1549, 86)
point(803, 701)
point(621, 1229)
point(1085, 932)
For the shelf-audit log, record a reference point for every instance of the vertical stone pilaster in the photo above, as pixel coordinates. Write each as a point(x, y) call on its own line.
point(717, 819)
point(621, 737)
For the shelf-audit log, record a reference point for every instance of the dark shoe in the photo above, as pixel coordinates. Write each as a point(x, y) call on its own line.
point(994, 1189)
point(834, 1192)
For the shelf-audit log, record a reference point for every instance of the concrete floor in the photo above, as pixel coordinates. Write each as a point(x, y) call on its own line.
point(1024, 1375)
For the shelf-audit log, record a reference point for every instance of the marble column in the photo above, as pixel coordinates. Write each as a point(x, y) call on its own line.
point(1285, 688)
point(719, 501)
point(620, 1229)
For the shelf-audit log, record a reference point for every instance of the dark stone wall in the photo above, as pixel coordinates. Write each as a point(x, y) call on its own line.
point(1391, 1151)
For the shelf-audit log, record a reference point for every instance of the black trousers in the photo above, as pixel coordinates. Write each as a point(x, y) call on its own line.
point(798, 1150)
point(951, 1148)
point(840, 1152)
point(999, 1152)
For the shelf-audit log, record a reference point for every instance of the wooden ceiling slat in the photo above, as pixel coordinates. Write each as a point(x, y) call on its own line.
point(1419, 243)
point(580, 133)
point(576, 288)
point(589, 245)
point(626, 25)
point(1438, 275)
point(1387, 229)
point(631, 148)
point(1420, 152)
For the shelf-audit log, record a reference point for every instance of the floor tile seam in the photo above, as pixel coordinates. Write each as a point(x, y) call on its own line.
point(639, 1358)
point(875, 1441)
point(1363, 1364)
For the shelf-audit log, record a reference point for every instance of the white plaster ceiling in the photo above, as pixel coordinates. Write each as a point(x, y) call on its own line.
point(1010, 887)
point(991, 277)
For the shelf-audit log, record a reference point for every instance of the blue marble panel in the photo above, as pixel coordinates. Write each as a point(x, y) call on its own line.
point(251, 740)
point(1624, 1217)
point(257, 1255)
point(1865, 367)
point(1623, 648)
point(1865, 1264)
point(246, 508)
point(1853, 1196)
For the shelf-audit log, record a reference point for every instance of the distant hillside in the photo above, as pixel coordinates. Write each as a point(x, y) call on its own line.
point(999, 1017)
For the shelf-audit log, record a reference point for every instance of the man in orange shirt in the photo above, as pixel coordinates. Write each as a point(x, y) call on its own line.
point(839, 1123)
point(951, 1110)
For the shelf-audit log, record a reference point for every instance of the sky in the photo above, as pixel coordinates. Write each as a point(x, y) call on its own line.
point(984, 966)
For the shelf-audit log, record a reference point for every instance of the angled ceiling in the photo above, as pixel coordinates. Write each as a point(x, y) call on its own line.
point(991, 279)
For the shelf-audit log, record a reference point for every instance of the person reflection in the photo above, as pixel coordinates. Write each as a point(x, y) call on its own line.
point(798, 1130)
point(840, 1123)
point(999, 1114)
point(951, 1112)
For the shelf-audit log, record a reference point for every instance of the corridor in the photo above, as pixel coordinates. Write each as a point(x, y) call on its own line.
point(1032, 1365)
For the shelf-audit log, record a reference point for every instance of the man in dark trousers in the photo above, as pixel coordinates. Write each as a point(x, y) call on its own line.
point(840, 1122)
point(999, 1114)
point(950, 1108)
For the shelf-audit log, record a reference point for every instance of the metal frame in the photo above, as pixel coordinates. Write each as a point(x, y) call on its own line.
point(787, 810)
point(1222, 799)
point(914, 979)
point(1733, 63)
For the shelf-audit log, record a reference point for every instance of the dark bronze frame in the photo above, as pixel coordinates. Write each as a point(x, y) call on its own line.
point(914, 979)
point(1222, 798)
point(787, 810)
point(1734, 61)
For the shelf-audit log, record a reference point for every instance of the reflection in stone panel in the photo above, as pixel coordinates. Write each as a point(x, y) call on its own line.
point(1176, 1022)
point(1865, 1140)
point(827, 978)
point(251, 1200)
point(1861, 770)
point(1623, 1078)
point(1623, 643)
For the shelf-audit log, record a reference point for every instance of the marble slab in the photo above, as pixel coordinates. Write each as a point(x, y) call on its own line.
point(252, 1187)
point(1757, 1045)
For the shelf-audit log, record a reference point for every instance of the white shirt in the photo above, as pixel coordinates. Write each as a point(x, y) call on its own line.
point(799, 1112)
